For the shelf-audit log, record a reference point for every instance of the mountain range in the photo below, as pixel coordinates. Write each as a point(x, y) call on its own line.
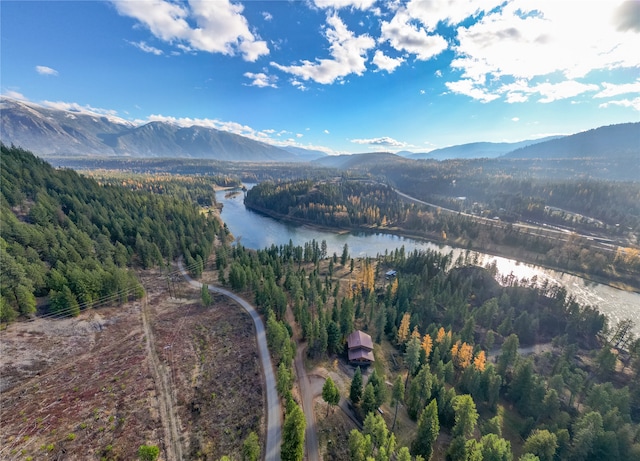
point(52, 132)
point(475, 149)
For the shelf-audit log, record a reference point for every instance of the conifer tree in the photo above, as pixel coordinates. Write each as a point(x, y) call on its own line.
point(355, 392)
point(428, 429)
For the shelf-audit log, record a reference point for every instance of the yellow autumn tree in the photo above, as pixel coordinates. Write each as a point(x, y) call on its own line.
point(427, 344)
point(394, 287)
point(480, 361)
point(415, 333)
point(403, 331)
point(440, 336)
point(368, 276)
point(462, 354)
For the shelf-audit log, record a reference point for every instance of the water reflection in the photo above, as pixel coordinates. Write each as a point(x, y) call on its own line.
point(256, 231)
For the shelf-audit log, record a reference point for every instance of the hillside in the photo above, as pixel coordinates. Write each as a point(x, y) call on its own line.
point(68, 243)
point(608, 142)
point(52, 132)
point(478, 149)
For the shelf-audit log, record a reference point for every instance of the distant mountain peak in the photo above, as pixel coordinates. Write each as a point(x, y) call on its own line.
point(620, 140)
point(55, 132)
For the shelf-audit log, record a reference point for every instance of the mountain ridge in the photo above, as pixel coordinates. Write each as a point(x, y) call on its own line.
point(480, 149)
point(619, 140)
point(56, 132)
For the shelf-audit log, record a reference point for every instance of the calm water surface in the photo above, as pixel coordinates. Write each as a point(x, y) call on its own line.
point(256, 231)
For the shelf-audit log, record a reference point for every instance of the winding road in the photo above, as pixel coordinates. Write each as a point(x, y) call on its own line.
point(274, 420)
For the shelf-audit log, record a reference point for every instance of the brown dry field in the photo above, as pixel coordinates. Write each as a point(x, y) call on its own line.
point(91, 387)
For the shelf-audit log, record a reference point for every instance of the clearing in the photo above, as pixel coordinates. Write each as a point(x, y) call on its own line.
point(168, 372)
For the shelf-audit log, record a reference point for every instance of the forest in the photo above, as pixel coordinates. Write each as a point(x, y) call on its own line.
point(363, 204)
point(457, 333)
point(68, 243)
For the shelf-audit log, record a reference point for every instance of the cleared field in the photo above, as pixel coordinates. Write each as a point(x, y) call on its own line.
point(94, 387)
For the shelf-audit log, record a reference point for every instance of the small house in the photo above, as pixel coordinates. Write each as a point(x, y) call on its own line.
point(360, 348)
point(390, 274)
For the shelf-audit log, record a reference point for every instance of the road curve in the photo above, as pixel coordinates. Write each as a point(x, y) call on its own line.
point(274, 423)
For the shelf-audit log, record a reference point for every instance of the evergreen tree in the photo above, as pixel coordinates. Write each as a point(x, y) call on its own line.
point(251, 448)
point(293, 433)
point(330, 393)
point(368, 400)
point(428, 429)
point(466, 416)
point(397, 396)
point(206, 295)
point(494, 448)
point(355, 392)
point(542, 443)
point(345, 255)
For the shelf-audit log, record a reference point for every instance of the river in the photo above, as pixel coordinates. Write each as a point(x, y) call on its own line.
point(257, 231)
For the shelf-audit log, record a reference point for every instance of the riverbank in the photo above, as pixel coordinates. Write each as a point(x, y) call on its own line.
point(493, 249)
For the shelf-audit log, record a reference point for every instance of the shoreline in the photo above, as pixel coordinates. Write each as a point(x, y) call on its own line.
point(497, 250)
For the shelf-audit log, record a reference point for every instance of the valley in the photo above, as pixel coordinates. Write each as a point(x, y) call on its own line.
point(342, 230)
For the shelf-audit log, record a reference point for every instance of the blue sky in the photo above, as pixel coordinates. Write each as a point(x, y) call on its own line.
point(339, 75)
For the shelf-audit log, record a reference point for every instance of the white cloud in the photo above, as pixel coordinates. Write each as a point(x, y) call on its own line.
point(522, 90)
point(385, 62)
point(515, 119)
point(44, 70)
point(147, 48)
point(214, 27)
point(524, 41)
point(611, 89)
point(514, 97)
point(267, 16)
point(298, 84)
point(569, 88)
point(15, 95)
point(337, 4)
point(451, 12)
point(632, 103)
point(326, 131)
point(186, 122)
point(347, 50)
point(382, 141)
point(512, 50)
point(404, 35)
point(469, 88)
point(110, 114)
point(262, 80)
point(299, 135)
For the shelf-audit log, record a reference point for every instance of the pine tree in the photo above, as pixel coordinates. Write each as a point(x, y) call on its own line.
point(355, 393)
point(330, 393)
point(428, 429)
point(368, 400)
point(293, 433)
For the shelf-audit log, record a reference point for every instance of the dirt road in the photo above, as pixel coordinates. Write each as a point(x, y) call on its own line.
point(169, 416)
point(306, 391)
point(274, 420)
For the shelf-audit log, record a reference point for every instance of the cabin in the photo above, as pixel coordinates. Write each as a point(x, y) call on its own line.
point(360, 348)
point(390, 274)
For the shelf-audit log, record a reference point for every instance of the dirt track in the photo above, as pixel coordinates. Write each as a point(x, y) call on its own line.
point(93, 387)
point(168, 415)
point(307, 395)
